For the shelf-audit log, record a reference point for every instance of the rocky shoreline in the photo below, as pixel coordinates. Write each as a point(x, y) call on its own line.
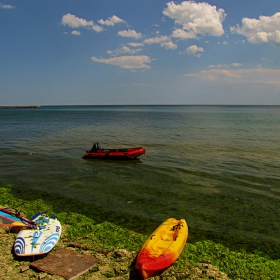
point(116, 248)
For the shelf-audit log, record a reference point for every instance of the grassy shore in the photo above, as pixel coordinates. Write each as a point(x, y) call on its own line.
point(116, 248)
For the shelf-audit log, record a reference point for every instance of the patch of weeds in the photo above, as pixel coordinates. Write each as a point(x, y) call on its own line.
point(236, 264)
point(203, 259)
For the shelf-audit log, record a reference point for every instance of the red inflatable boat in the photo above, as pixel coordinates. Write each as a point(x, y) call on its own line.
point(97, 153)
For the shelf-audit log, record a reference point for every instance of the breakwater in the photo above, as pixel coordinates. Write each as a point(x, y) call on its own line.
point(20, 107)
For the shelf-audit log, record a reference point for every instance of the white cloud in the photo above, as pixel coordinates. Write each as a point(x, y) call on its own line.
point(250, 76)
point(195, 19)
point(164, 41)
point(168, 45)
point(156, 40)
point(183, 35)
point(75, 32)
point(264, 30)
point(135, 45)
point(75, 22)
point(218, 65)
point(6, 6)
point(236, 64)
point(193, 49)
point(97, 28)
point(127, 62)
point(130, 33)
point(111, 21)
point(123, 49)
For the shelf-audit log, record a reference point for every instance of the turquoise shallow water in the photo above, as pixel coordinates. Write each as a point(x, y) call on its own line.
point(215, 166)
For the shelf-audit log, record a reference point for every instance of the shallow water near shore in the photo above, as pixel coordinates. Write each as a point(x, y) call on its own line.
point(215, 166)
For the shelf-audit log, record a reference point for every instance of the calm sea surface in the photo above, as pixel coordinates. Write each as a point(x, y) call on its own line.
point(215, 166)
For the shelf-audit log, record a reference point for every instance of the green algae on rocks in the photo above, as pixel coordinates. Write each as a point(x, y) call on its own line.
point(117, 247)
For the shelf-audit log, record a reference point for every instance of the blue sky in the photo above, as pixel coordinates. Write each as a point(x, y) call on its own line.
point(76, 52)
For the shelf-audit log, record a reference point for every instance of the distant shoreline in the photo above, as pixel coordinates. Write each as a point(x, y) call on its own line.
point(19, 107)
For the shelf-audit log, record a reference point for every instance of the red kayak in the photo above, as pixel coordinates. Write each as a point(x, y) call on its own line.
point(97, 153)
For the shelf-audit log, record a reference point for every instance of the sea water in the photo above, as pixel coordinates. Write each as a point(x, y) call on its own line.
point(215, 166)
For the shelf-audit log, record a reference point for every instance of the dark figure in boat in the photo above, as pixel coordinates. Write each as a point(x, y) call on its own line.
point(95, 148)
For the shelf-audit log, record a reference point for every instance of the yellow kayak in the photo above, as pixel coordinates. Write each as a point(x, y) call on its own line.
point(163, 247)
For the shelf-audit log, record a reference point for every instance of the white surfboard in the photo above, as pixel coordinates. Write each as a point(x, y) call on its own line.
point(40, 240)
